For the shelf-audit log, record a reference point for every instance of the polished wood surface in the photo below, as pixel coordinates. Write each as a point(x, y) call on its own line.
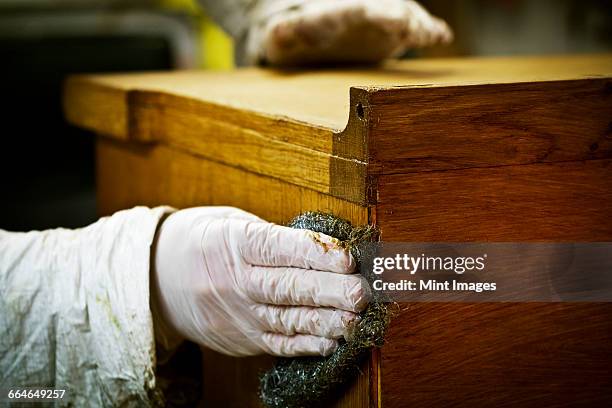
point(499, 355)
point(553, 202)
point(130, 174)
point(305, 128)
point(489, 125)
point(319, 98)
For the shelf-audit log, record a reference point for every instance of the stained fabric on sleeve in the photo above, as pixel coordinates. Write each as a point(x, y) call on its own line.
point(74, 310)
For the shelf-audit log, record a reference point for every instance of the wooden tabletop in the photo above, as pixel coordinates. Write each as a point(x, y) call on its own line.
point(319, 98)
point(331, 130)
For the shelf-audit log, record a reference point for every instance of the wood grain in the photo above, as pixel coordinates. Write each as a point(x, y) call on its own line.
point(569, 202)
point(499, 355)
point(402, 116)
point(276, 147)
point(263, 145)
point(320, 97)
point(423, 129)
point(130, 174)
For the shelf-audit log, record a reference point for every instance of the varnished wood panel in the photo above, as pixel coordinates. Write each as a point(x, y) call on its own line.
point(401, 116)
point(130, 174)
point(276, 148)
point(499, 355)
point(569, 202)
point(422, 129)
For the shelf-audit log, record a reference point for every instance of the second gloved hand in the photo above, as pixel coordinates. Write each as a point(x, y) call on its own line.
point(230, 281)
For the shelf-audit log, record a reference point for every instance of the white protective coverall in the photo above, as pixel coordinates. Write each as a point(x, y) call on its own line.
point(74, 310)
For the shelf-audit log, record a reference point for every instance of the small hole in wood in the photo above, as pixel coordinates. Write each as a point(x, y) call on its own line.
point(360, 112)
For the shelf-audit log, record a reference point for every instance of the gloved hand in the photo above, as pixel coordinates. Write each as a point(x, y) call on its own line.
point(230, 281)
point(294, 32)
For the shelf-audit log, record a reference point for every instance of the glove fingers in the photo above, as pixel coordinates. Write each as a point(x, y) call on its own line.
point(299, 345)
point(306, 287)
point(274, 245)
point(289, 320)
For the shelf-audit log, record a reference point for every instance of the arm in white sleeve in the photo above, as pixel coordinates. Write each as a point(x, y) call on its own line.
point(74, 310)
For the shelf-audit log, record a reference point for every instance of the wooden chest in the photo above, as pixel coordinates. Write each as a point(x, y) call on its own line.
point(501, 149)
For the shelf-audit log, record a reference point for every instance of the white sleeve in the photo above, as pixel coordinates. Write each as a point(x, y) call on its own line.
point(74, 310)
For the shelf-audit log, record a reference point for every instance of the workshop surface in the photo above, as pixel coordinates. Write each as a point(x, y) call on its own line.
point(448, 150)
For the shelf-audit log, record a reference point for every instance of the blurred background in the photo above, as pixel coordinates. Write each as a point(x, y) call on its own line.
point(47, 167)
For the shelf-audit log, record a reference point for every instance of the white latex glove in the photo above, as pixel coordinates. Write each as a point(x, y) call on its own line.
point(232, 282)
point(294, 32)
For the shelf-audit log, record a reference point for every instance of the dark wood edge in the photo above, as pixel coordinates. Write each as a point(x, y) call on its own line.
point(352, 142)
point(596, 91)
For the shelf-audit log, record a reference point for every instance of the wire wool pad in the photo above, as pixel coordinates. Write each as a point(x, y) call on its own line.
point(304, 382)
